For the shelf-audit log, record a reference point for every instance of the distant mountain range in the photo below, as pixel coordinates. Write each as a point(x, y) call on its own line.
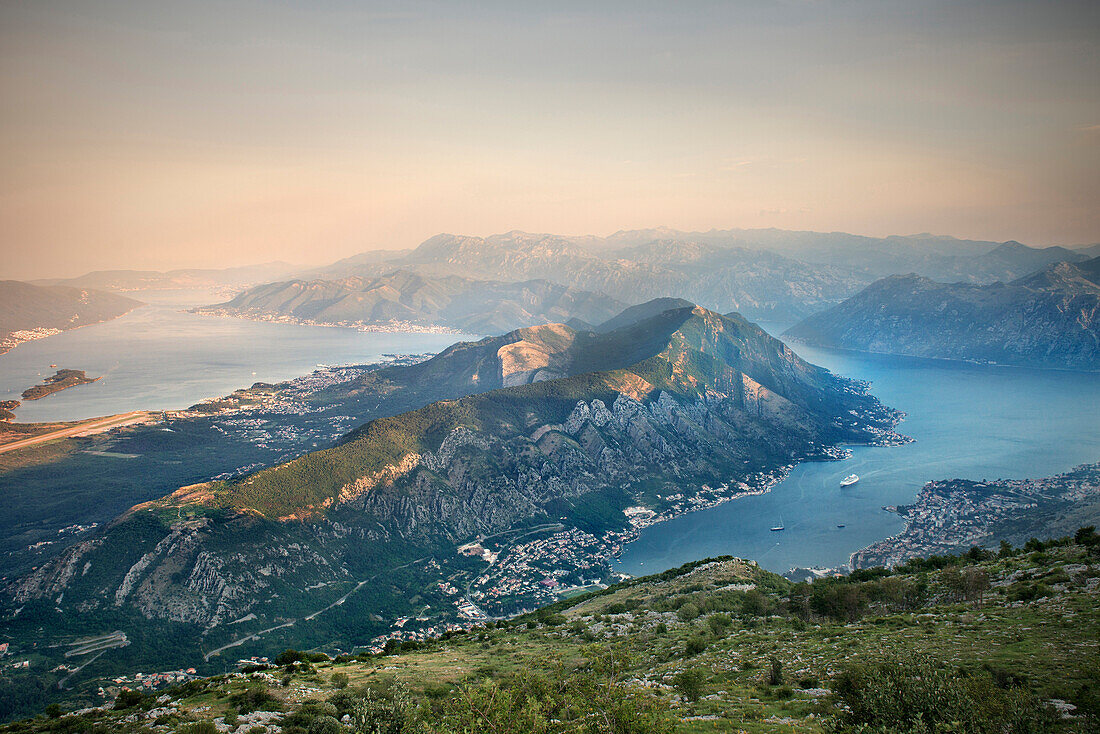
point(1048, 319)
point(545, 424)
point(767, 274)
point(764, 274)
point(139, 280)
point(472, 306)
point(29, 311)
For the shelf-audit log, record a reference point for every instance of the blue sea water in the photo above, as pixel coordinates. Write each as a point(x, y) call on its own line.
point(969, 421)
point(161, 357)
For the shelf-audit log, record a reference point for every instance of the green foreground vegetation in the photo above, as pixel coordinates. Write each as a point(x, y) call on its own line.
point(984, 642)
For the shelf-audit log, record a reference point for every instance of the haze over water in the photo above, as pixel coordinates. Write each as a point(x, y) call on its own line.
point(969, 421)
point(160, 357)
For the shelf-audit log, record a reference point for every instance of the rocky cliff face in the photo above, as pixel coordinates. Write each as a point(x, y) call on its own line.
point(1045, 320)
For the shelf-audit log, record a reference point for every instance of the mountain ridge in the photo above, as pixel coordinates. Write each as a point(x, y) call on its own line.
point(404, 296)
point(1048, 319)
point(592, 424)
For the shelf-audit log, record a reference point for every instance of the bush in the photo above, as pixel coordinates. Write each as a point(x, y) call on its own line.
point(1024, 591)
point(294, 656)
point(254, 698)
point(719, 623)
point(586, 700)
point(384, 708)
point(695, 646)
point(914, 695)
point(128, 699)
point(688, 612)
point(689, 683)
point(326, 725)
point(339, 680)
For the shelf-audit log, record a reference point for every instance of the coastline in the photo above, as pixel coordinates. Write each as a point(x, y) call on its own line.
point(953, 515)
point(950, 360)
point(22, 336)
point(372, 327)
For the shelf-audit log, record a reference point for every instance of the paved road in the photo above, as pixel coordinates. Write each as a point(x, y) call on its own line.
point(72, 431)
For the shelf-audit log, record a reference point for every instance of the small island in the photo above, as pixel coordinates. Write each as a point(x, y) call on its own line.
point(63, 380)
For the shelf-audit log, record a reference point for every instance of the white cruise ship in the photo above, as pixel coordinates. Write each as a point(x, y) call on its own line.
point(849, 480)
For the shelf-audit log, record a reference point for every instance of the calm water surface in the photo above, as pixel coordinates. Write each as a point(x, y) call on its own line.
point(159, 357)
point(968, 421)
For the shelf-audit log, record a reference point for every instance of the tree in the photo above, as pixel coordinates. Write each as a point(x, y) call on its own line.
point(775, 671)
point(975, 583)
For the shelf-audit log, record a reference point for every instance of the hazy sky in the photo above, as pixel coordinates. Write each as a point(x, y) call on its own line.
point(165, 134)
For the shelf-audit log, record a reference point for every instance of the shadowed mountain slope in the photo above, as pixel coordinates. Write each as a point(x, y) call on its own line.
point(24, 307)
point(1048, 319)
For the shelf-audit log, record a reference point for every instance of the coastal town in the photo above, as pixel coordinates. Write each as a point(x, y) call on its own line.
point(953, 515)
point(392, 326)
point(530, 568)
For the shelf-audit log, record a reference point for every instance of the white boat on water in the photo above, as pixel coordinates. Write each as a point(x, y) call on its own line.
point(778, 527)
point(849, 480)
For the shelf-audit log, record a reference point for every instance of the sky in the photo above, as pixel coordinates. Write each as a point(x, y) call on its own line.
point(155, 135)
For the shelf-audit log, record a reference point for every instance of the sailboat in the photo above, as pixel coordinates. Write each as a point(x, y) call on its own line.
point(778, 527)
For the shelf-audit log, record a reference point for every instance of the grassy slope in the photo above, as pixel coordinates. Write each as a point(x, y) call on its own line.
point(1048, 643)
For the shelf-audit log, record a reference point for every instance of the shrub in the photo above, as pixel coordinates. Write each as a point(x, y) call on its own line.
point(326, 725)
point(719, 623)
point(339, 680)
point(128, 699)
point(914, 695)
point(254, 698)
point(384, 708)
point(689, 683)
point(695, 646)
point(688, 612)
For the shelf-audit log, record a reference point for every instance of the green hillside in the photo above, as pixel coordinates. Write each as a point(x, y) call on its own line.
point(975, 643)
